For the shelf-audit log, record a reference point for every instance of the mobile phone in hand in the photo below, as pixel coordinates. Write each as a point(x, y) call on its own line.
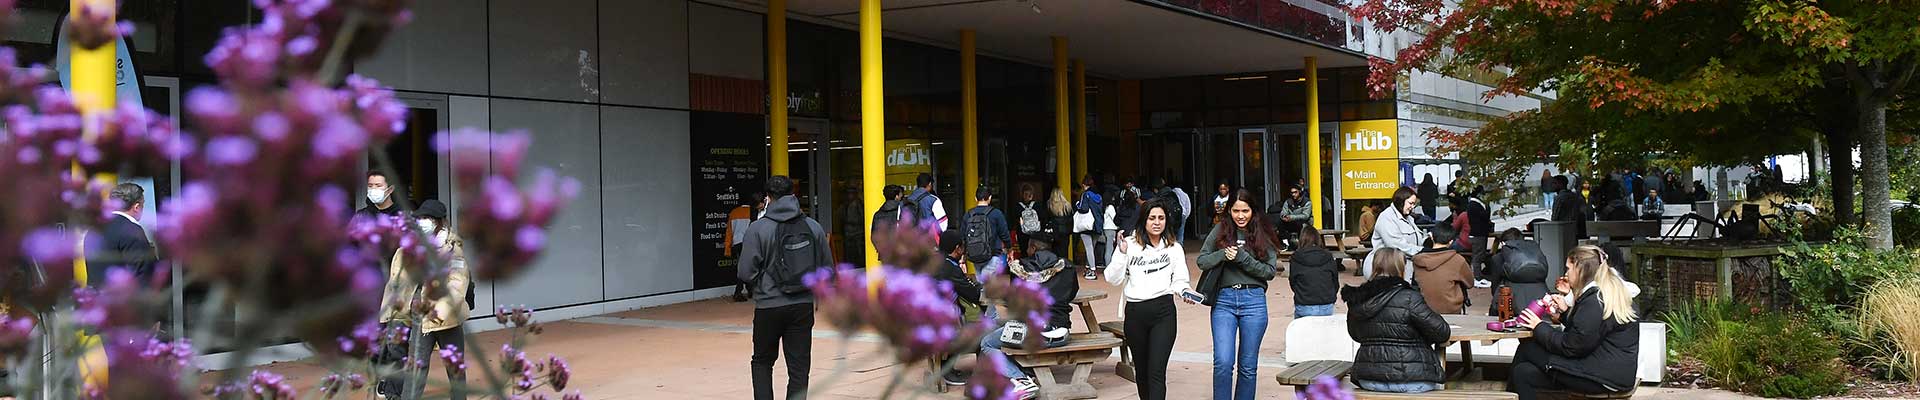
point(1193, 297)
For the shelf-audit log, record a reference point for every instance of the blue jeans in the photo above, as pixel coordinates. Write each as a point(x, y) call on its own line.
point(1301, 311)
point(1239, 318)
point(990, 313)
point(1397, 387)
point(990, 347)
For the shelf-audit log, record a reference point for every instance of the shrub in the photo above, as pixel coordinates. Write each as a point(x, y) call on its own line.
point(1689, 322)
point(1828, 280)
point(1769, 354)
point(1906, 226)
point(1889, 330)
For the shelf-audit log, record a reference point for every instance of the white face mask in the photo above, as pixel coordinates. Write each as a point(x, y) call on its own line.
point(376, 196)
point(427, 225)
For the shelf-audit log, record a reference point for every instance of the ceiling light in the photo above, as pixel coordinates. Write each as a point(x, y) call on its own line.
point(1246, 78)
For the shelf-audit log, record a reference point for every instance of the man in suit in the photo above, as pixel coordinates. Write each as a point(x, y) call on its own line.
point(124, 243)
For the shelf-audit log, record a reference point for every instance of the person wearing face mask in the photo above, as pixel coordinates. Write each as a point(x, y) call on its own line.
point(382, 197)
point(442, 286)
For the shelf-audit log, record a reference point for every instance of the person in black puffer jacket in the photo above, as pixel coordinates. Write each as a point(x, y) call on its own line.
point(1595, 347)
point(1396, 330)
point(1519, 265)
point(1314, 275)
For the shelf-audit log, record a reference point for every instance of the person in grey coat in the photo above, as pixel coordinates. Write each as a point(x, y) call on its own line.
point(780, 315)
point(1395, 229)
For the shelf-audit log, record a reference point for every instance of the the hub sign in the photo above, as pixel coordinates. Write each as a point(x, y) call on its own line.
point(1369, 158)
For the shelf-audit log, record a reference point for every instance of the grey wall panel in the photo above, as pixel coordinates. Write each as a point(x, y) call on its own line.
point(727, 42)
point(646, 171)
point(442, 50)
point(644, 43)
point(469, 112)
point(544, 49)
point(566, 138)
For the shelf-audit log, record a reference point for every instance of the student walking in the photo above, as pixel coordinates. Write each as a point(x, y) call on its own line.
point(1089, 222)
point(927, 205)
point(1237, 260)
point(1151, 269)
point(441, 323)
point(780, 249)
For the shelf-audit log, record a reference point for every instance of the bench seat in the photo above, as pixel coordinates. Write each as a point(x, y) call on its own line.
point(1301, 375)
point(1449, 394)
point(1125, 368)
point(1080, 351)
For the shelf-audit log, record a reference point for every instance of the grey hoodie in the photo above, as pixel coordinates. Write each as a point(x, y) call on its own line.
point(762, 244)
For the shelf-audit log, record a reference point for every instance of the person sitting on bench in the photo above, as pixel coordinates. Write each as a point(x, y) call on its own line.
point(1396, 330)
point(1442, 274)
point(966, 291)
point(1595, 348)
point(1043, 267)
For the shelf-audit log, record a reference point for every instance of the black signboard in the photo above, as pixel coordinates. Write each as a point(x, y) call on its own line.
point(729, 163)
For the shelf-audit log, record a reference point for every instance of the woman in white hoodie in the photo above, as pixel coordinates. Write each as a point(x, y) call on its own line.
point(1395, 229)
point(1151, 269)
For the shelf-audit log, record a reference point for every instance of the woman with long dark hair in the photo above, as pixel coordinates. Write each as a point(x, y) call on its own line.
point(1151, 269)
point(1237, 259)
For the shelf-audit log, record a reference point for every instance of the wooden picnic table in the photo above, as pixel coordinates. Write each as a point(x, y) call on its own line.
point(1083, 300)
point(1471, 328)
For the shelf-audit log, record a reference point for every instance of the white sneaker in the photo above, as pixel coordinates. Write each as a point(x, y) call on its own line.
point(1091, 276)
point(1025, 389)
point(1482, 284)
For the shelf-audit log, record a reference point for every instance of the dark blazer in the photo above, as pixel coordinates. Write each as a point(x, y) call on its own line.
point(124, 245)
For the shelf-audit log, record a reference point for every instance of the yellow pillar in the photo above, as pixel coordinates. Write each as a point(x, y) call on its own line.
point(969, 113)
point(1080, 117)
point(1313, 140)
point(93, 94)
point(777, 84)
point(873, 137)
point(1061, 143)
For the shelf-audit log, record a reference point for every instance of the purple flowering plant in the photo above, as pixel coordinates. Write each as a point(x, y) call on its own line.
point(262, 221)
point(916, 313)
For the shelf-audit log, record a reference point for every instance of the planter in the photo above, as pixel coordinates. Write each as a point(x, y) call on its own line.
point(1671, 273)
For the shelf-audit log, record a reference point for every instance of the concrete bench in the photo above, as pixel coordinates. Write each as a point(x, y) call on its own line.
point(1081, 351)
point(1125, 368)
point(1302, 375)
point(1450, 394)
point(1328, 336)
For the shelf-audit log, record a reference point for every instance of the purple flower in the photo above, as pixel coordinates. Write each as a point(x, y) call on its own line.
point(213, 108)
point(530, 239)
point(572, 396)
point(1325, 388)
point(338, 138)
point(454, 358)
point(231, 151)
point(49, 246)
point(558, 373)
point(988, 383)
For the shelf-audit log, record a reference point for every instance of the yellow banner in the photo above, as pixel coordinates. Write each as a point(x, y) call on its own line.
point(1369, 179)
point(1370, 140)
point(906, 160)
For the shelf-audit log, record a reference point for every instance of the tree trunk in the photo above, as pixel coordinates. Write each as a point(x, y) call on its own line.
point(1875, 184)
point(1840, 151)
point(1816, 162)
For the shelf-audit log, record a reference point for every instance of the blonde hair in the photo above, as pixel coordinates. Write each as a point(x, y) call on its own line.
point(1389, 262)
point(1057, 202)
point(1592, 264)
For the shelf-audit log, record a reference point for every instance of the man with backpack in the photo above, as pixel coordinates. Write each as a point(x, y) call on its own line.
point(986, 232)
point(925, 205)
point(780, 249)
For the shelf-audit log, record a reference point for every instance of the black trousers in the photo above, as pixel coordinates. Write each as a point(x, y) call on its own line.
point(1530, 376)
point(792, 324)
point(434, 341)
point(1150, 328)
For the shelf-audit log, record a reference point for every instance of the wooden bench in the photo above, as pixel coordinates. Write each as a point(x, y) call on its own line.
point(1081, 351)
point(1359, 256)
point(1125, 368)
point(1299, 376)
point(1449, 394)
point(1083, 300)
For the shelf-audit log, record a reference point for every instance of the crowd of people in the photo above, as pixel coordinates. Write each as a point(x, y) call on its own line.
point(1134, 238)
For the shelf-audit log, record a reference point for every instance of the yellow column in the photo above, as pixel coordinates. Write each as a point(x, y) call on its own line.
point(1313, 140)
point(1080, 117)
point(873, 137)
point(93, 94)
point(777, 84)
point(969, 112)
point(1062, 145)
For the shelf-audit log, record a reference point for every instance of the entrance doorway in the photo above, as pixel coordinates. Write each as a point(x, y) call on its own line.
point(1258, 158)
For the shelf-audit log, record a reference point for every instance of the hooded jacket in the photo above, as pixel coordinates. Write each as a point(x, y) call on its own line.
point(1397, 332)
point(1443, 276)
point(1314, 275)
point(1522, 266)
point(763, 244)
point(1050, 271)
point(1590, 345)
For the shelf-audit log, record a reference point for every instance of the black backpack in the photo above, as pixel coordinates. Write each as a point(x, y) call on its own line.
point(912, 207)
point(888, 216)
point(980, 235)
point(794, 259)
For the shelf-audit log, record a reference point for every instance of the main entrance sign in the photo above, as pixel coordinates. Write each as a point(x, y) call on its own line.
point(1369, 159)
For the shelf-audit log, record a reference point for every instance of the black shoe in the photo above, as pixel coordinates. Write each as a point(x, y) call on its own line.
point(956, 377)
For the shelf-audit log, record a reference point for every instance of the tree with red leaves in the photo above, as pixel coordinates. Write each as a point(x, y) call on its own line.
point(1708, 82)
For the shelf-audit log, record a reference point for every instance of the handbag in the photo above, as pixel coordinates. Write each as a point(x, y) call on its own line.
point(1083, 221)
